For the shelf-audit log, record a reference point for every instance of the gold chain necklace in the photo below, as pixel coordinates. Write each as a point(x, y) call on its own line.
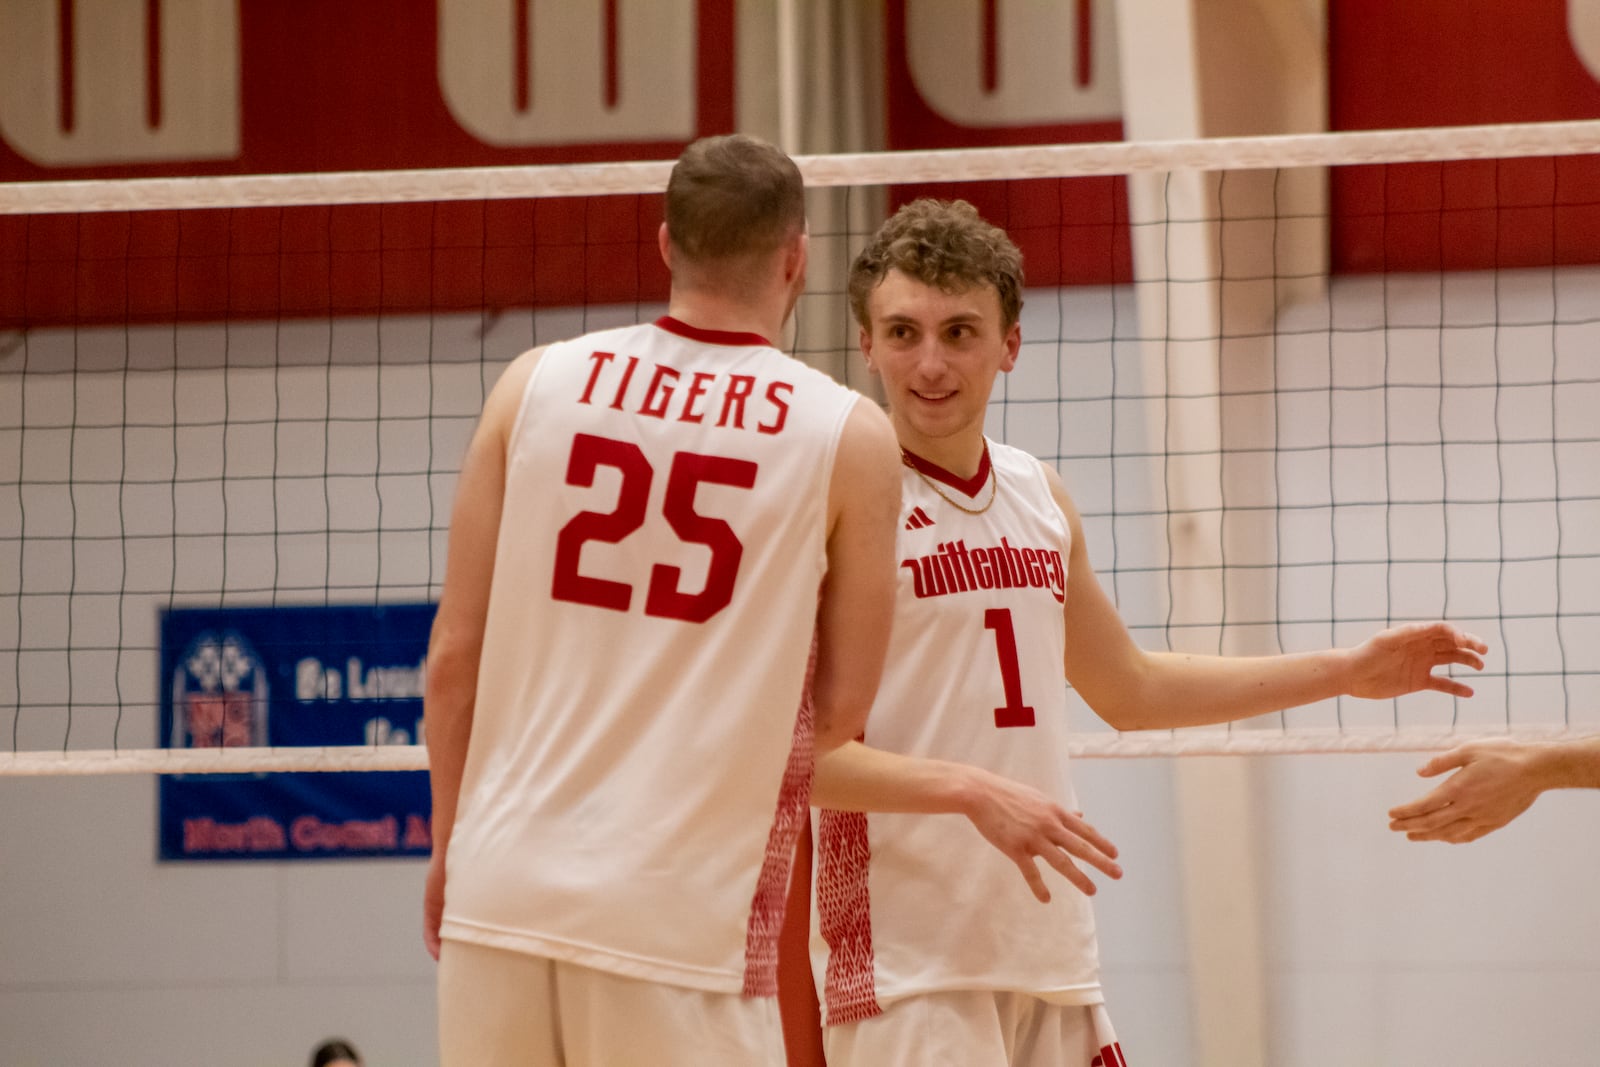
point(994, 482)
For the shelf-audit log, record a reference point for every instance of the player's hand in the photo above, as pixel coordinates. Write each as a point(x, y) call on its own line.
point(433, 903)
point(1026, 826)
point(1496, 780)
point(1402, 660)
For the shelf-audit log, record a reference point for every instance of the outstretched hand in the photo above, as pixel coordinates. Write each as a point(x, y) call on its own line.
point(1402, 660)
point(1495, 781)
point(1026, 825)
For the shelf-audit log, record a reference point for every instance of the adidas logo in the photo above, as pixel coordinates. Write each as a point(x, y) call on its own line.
point(918, 519)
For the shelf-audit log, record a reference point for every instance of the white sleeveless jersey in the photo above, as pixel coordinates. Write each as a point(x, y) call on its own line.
point(908, 904)
point(648, 632)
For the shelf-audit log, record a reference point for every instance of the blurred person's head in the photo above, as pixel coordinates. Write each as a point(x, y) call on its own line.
point(335, 1052)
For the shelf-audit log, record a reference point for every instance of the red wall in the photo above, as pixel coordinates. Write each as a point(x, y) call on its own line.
point(1072, 231)
point(347, 86)
point(354, 86)
point(1455, 63)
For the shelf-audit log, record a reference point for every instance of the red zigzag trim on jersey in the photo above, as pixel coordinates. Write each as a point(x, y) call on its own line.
point(845, 915)
point(772, 886)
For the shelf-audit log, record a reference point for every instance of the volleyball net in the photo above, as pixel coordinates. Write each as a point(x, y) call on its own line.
point(1301, 388)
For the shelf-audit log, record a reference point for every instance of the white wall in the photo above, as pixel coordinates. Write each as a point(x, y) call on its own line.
point(107, 957)
point(1383, 951)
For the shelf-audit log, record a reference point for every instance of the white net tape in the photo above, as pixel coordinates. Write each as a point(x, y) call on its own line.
point(215, 760)
point(883, 168)
point(1134, 745)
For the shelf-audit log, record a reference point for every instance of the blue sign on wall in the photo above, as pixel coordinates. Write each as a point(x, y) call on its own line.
point(294, 676)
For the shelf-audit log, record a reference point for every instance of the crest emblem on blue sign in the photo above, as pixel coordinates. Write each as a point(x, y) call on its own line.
point(219, 693)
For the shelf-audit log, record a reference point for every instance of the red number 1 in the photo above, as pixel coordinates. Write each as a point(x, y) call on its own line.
point(1015, 712)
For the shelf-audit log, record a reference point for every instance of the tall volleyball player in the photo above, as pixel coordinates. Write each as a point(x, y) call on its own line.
point(927, 948)
point(649, 524)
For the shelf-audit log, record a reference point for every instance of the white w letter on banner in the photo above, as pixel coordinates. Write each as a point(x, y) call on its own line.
point(1016, 64)
point(531, 72)
point(137, 81)
point(1583, 26)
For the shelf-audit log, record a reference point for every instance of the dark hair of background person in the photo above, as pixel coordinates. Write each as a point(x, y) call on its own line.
point(334, 1050)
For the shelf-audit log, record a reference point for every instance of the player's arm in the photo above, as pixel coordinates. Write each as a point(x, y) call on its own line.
point(457, 637)
point(856, 602)
point(1495, 780)
point(853, 631)
point(1020, 821)
point(1134, 689)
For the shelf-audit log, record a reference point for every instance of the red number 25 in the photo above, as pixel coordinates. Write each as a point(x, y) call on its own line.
point(689, 469)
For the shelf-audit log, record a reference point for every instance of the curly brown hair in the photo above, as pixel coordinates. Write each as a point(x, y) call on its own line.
point(945, 244)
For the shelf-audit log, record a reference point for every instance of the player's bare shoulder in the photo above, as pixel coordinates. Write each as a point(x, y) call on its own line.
point(504, 403)
point(867, 467)
point(867, 428)
point(1063, 499)
point(514, 379)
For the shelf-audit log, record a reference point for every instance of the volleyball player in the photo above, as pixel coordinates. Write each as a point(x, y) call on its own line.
point(649, 524)
point(927, 949)
point(1495, 780)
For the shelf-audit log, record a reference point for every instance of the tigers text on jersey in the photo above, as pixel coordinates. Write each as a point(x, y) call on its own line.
point(908, 904)
point(654, 599)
